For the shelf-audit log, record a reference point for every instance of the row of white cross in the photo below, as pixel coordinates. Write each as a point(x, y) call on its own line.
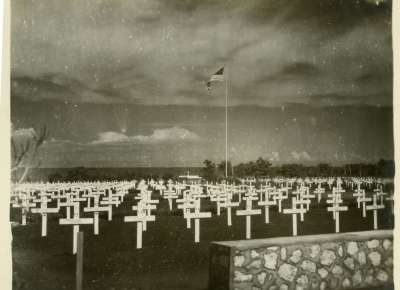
point(94, 197)
point(101, 197)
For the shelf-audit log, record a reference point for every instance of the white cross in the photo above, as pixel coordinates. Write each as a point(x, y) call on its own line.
point(44, 210)
point(266, 202)
point(75, 221)
point(95, 210)
point(302, 202)
point(170, 194)
point(319, 191)
point(140, 218)
point(67, 203)
point(336, 209)
point(294, 211)
point(363, 199)
point(25, 205)
point(359, 193)
point(219, 198)
point(110, 201)
point(228, 204)
point(307, 196)
point(375, 207)
point(197, 215)
point(335, 199)
point(145, 206)
point(379, 193)
point(57, 195)
point(186, 203)
point(248, 212)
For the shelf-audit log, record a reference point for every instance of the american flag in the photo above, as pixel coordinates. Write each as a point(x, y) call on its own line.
point(216, 77)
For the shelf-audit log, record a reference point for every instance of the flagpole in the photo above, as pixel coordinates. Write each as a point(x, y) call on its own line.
point(226, 125)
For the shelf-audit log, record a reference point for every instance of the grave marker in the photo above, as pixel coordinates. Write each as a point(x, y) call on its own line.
point(294, 211)
point(248, 212)
point(43, 211)
point(375, 207)
point(75, 221)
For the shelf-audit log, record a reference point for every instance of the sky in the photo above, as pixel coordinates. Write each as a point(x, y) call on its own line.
point(123, 83)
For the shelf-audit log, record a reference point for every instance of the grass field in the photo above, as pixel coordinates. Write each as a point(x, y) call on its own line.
point(169, 259)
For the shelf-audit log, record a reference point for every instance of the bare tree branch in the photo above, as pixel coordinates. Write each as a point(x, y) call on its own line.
point(24, 154)
point(26, 170)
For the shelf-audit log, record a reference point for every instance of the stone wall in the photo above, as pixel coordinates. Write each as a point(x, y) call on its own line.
point(332, 261)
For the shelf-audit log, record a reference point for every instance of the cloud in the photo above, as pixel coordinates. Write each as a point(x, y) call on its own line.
point(274, 156)
point(173, 134)
point(111, 137)
point(55, 87)
point(161, 52)
point(300, 156)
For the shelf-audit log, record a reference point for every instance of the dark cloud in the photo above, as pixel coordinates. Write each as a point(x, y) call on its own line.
point(162, 52)
point(50, 87)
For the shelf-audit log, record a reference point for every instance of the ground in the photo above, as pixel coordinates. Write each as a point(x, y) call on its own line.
point(169, 259)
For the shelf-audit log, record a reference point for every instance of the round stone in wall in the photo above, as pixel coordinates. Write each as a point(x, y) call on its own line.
point(256, 264)
point(314, 281)
point(315, 249)
point(254, 254)
point(357, 278)
point(287, 272)
point(309, 266)
point(302, 282)
point(327, 257)
point(283, 254)
point(373, 244)
point(284, 287)
point(362, 258)
point(270, 260)
point(337, 270)
point(238, 261)
point(346, 283)
point(340, 251)
point(333, 283)
point(375, 258)
point(296, 256)
point(261, 277)
point(323, 273)
point(323, 285)
point(352, 248)
point(369, 280)
point(382, 276)
point(349, 262)
point(389, 262)
point(240, 277)
point(387, 244)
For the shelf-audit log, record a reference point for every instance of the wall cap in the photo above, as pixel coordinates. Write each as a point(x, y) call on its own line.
point(322, 238)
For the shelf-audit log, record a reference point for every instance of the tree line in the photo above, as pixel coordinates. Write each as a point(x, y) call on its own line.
point(263, 168)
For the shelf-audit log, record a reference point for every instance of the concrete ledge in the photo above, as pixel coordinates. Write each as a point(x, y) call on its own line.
point(259, 243)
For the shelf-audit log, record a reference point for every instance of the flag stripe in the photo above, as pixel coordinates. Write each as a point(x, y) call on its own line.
point(217, 77)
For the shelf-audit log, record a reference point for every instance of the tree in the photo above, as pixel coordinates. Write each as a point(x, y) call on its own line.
point(209, 170)
point(25, 144)
point(385, 168)
point(262, 167)
point(324, 169)
point(221, 168)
